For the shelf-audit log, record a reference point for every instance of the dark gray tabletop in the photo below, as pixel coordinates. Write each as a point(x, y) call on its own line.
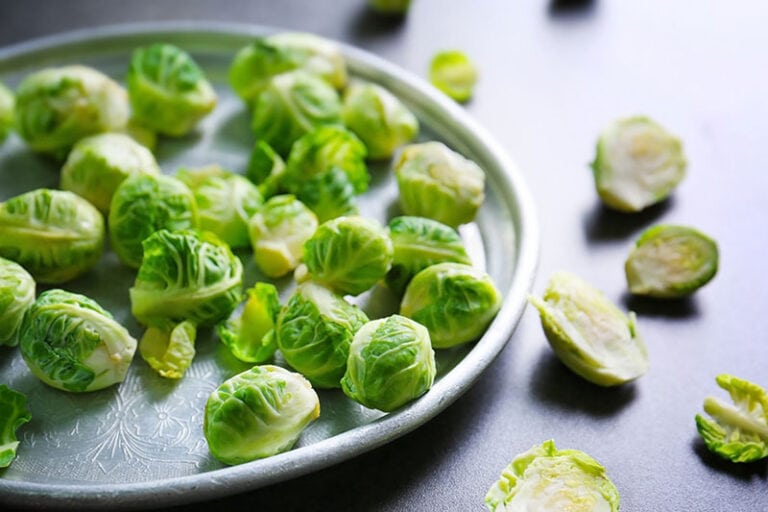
point(552, 76)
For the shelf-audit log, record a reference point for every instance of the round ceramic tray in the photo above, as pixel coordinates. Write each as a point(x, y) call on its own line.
point(140, 443)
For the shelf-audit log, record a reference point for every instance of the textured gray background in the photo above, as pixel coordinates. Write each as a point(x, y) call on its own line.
point(552, 76)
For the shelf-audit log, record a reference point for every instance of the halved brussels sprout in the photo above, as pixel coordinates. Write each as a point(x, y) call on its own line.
point(256, 64)
point(348, 254)
point(438, 183)
point(17, 293)
point(291, 105)
point(391, 362)
point(250, 335)
point(186, 275)
point(739, 431)
point(588, 333)
point(13, 414)
point(258, 413)
point(7, 107)
point(98, 164)
point(314, 330)
point(55, 235)
point(638, 163)
point(144, 204)
point(454, 73)
point(169, 350)
point(278, 231)
point(266, 169)
point(390, 6)
point(417, 243)
point(379, 118)
point(455, 302)
point(671, 261)
point(168, 91)
point(225, 202)
point(545, 478)
point(56, 107)
point(73, 344)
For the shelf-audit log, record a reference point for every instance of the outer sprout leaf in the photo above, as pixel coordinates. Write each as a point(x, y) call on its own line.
point(266, 169)
point(250, 335)
point(169, 350)
point(13, 414)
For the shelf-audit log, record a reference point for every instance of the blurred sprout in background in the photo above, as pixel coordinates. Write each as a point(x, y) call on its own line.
point(454, 73)
point(17, 293)
point(7, 107)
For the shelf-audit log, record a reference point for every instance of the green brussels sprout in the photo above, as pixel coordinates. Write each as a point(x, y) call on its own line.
point(391, 362)
point(348, 254)
point(169, 350)
point(737, 432)
point(98, 164)
point(144, 204)
point(167, 89)
point(454, 73)
point(314, 330)
point(438, 183)
point(588, 333)
point(671, 261)
point(278, 231)
point(13, 414)
point(638, 163)
point(545, 478)
point(294, 104)
point(266, 169)
point(379, 118)
point(17, 293)
point(250, 335)
point(55, 235)
point(417, 243)
point(256, 64)
point(7, 107)
point(73, 344)
point(225, 202)
point(56, 107)
point(329, 194)
point(455, 302)
point(186, 275)
point(391, 7)
point(258, 413)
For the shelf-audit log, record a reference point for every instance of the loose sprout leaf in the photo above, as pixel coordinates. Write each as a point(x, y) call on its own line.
point(13, 414)
point(17, 293)
point(169, 350)
point(266, 169)
point(250, 334)
point(454, 73)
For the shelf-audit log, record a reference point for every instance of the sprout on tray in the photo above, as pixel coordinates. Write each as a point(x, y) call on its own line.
point(17, 293)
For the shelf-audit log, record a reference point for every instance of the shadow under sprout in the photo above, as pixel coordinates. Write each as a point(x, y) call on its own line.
point(570, 8)
point(741, 471)
point(603, 224)
point(683, 307)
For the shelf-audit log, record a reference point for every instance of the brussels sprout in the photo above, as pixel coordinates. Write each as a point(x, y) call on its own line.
point(167, 89)
point(348, 254)
point(294, 104)
point(186, 276)
point(454, 73)
point(13, 414)
point(17, 293)
point(250, 335)
point(73, 344)
point(7, 107)
point(266, 169)
point(671, 261)
point(98, 164)
point(225, 202)
point(329, 194)
point(438, 183)
point(739, 431)
point(638, 163)
point(381, 120)
point(278, 231)
point(256, 64)
point(390, 6)
point(391, 362)
point(169, 350)
point(417, 243)
point(545, 478)
point(56, 107)
point(55, 235)
point(314, 330)
point(144, 204)
point(455, 302)
point(258, 413)
point(589, 334)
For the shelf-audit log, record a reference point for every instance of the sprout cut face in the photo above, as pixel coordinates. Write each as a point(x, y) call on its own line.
point(545, 478)
point(638, 163)
point(454, 73)
point(250, 335)
point(73, 344)
point(258, 413)
point(737, 431)
point(7, 107)
point(17, 293)
point(13, 414)
point(169, 350)
point(588, 333)
point(671, 261)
